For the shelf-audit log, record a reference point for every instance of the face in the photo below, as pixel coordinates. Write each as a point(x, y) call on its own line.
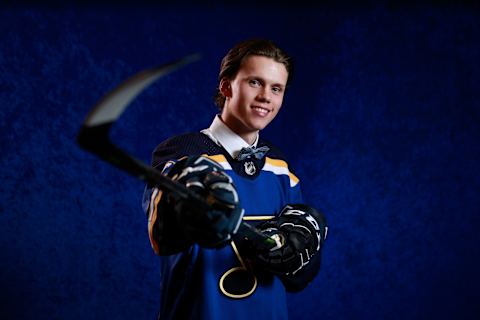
point(254, 96)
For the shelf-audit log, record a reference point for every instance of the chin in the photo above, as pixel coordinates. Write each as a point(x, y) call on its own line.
point(257, 125)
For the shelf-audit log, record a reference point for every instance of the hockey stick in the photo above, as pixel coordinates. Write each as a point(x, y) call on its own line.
point(94, 137)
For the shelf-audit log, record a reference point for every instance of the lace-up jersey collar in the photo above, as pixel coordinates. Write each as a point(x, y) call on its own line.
point(226, 138)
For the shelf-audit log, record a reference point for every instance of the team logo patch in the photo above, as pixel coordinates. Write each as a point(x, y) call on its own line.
point(250, 168)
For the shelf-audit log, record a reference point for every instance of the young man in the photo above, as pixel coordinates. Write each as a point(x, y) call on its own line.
point(209, 269)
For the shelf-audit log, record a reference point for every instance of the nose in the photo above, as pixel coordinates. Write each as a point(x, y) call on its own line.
point(264, 95)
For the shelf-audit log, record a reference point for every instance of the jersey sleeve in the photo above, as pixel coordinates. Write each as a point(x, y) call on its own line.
point(165, 234)
point(295, 192)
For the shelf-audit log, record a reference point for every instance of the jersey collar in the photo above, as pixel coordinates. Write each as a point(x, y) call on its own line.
point(222, 135)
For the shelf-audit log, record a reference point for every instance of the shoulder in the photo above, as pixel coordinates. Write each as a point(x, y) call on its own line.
point(274, 152)
point(187, 144)
point(277, 162)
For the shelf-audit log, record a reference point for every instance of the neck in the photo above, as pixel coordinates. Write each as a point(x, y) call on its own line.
point(248, 135)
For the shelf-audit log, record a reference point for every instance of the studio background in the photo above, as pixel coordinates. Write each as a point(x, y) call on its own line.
point(380, 124)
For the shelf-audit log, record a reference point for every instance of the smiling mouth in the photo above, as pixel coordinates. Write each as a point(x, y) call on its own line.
point(260, 110)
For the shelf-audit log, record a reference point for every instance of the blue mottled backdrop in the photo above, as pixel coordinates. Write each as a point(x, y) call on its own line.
point(381, 125)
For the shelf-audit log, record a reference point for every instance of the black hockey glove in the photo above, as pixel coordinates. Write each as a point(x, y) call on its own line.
point(299, 231)
point(212, 228)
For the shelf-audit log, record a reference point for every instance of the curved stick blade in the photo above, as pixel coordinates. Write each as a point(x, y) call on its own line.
point(112, 105)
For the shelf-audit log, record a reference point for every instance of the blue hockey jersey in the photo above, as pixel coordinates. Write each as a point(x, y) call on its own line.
point(191, 276)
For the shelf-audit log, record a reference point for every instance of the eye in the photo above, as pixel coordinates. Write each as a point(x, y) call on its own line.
point(277, 90)
point(254, 82)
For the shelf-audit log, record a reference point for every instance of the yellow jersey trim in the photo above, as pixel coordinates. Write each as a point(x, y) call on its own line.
point(276, 166)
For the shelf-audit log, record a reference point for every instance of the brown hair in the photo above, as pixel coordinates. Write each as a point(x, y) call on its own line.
point(233, 60)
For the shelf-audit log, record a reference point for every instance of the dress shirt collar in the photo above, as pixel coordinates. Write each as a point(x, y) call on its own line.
point(222, 135)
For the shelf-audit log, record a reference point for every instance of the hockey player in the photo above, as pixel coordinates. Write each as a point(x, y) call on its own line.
point(208, 270)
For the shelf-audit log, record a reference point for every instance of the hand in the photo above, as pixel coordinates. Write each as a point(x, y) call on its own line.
point(212, 228)
point(299, 231)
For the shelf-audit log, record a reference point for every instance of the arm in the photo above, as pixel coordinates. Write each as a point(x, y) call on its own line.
point(175, 223)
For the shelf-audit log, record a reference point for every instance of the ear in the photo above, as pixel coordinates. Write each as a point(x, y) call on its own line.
point(225, 88)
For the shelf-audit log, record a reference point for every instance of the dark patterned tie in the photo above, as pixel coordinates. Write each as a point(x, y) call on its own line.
point(258, 153)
